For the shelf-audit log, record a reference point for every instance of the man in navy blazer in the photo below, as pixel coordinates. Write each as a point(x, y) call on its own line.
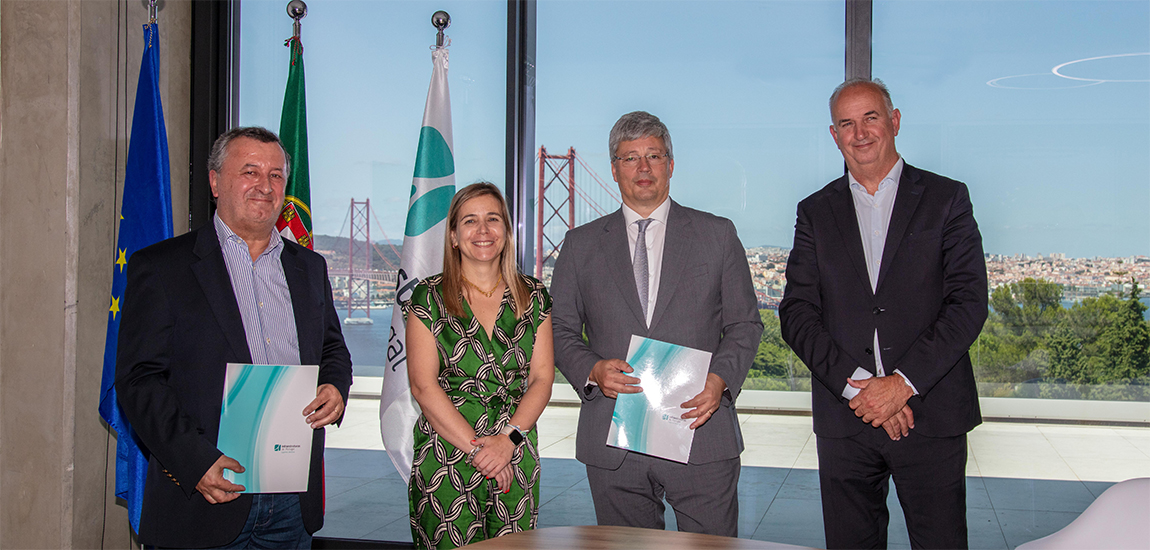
point(232, 291)
point(886, 291)
point(682, 278)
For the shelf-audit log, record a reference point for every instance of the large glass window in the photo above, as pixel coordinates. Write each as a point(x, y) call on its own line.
point(742, 87)
point(368, 67)
point(1041, 108)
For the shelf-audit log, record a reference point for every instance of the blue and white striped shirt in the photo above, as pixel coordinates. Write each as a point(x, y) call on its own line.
point(263, 297)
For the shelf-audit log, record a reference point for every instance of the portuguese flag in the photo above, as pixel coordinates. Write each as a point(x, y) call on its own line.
point(295, 220)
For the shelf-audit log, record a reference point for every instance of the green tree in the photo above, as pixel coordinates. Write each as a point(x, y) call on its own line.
point(1010, 348)
point(1028, 307)
point(774, 359)
point(1125, 342)
point(1066, 359)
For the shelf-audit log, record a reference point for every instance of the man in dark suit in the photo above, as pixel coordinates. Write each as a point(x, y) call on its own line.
point(662, 271)
point(886, 291)
point(231, 291)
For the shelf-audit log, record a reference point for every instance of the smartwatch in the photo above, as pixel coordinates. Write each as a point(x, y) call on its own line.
point(513, 433)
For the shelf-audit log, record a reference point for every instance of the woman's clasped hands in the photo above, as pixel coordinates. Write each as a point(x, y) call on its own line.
point(493, 459)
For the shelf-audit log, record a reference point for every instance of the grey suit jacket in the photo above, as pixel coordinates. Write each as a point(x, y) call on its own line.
point(705, 301)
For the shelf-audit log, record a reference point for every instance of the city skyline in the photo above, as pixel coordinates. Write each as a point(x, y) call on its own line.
point(1035, 256)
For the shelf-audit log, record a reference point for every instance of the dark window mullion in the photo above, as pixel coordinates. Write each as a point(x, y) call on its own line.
point(521, 126)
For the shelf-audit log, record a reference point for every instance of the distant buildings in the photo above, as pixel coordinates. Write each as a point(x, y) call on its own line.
point(1080, 277)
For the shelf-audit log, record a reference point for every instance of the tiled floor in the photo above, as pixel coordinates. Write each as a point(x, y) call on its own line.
point(1024, 481)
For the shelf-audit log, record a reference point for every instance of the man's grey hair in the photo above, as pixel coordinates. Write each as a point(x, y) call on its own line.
point(638, 125)
point(875, 84)
point(263, 135)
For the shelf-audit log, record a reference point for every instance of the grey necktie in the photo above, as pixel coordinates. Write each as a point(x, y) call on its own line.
point(642, 276)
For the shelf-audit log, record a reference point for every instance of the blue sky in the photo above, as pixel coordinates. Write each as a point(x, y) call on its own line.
point(742, 87)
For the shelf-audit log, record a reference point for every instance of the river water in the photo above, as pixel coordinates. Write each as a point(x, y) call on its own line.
point(368, 343)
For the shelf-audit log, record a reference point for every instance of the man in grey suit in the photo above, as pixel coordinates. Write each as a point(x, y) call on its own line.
point(659, 270)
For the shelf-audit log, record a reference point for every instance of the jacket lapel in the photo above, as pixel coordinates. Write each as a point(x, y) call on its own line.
point(300, 284)
point(843, 207)
point(676, 248)
point(910, 187)
point(614, 243)
point(212, 274)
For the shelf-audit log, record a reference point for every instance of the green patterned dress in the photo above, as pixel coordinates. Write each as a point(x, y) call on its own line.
point(452, 503)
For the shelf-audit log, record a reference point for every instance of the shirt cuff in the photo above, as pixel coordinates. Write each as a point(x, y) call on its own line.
point(907, 380)
point(588, 386)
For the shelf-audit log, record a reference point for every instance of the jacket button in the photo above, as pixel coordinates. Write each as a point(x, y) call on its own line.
point(877, 310)
point(869, 351)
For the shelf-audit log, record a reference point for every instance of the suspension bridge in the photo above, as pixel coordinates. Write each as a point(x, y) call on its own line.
point(352, 280)
point(569, 194)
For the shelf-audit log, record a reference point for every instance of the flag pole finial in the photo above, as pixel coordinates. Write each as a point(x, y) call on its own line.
point(297, 10)
point(441, 20)
point(152, 8)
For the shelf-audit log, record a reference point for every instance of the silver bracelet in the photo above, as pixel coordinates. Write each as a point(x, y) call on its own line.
point(471, 455)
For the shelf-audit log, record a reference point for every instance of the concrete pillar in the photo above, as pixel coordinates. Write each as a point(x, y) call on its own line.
point(68, 72)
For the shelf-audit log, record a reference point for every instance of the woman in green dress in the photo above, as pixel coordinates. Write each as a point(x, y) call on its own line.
point(481, 362)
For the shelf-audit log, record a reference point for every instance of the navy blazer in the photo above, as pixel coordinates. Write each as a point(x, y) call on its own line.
point(928, 307)
point(180, 327)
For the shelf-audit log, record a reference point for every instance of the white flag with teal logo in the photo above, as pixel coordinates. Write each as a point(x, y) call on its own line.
point(431, 190)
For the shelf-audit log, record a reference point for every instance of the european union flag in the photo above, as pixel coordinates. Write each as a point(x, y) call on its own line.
point(145, 218)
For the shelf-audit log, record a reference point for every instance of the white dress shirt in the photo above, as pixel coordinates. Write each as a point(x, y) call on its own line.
point(873, 214)
point(656, 238)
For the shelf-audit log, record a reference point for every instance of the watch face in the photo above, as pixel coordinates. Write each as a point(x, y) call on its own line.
point(516, 437)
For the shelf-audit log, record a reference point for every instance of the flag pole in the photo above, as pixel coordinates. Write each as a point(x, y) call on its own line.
point(433, 185)
point(297, 10)
point(441, 20)
point(145, 218)
point(294, 222)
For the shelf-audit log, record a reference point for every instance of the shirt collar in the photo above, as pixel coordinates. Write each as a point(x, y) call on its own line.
point(659, 214)
point(892, 177)
point(225, 234)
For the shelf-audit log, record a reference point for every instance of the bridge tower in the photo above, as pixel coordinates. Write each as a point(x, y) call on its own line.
point(558, 172)
point(359, 251)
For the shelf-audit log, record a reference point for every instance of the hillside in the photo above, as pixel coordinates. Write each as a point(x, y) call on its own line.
point(335, 250)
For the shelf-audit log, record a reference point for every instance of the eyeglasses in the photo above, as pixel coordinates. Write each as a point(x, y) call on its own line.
point(654, 159)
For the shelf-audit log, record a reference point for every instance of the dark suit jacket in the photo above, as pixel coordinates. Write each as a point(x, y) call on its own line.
point(705, 301)
point(181, 325)
point(929, 306)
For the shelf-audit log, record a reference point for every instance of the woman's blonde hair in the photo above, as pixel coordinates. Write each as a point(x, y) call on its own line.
point(453, 262)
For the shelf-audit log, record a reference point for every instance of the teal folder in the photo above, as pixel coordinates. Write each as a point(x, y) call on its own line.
point(262, 425)
point(650, 422)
